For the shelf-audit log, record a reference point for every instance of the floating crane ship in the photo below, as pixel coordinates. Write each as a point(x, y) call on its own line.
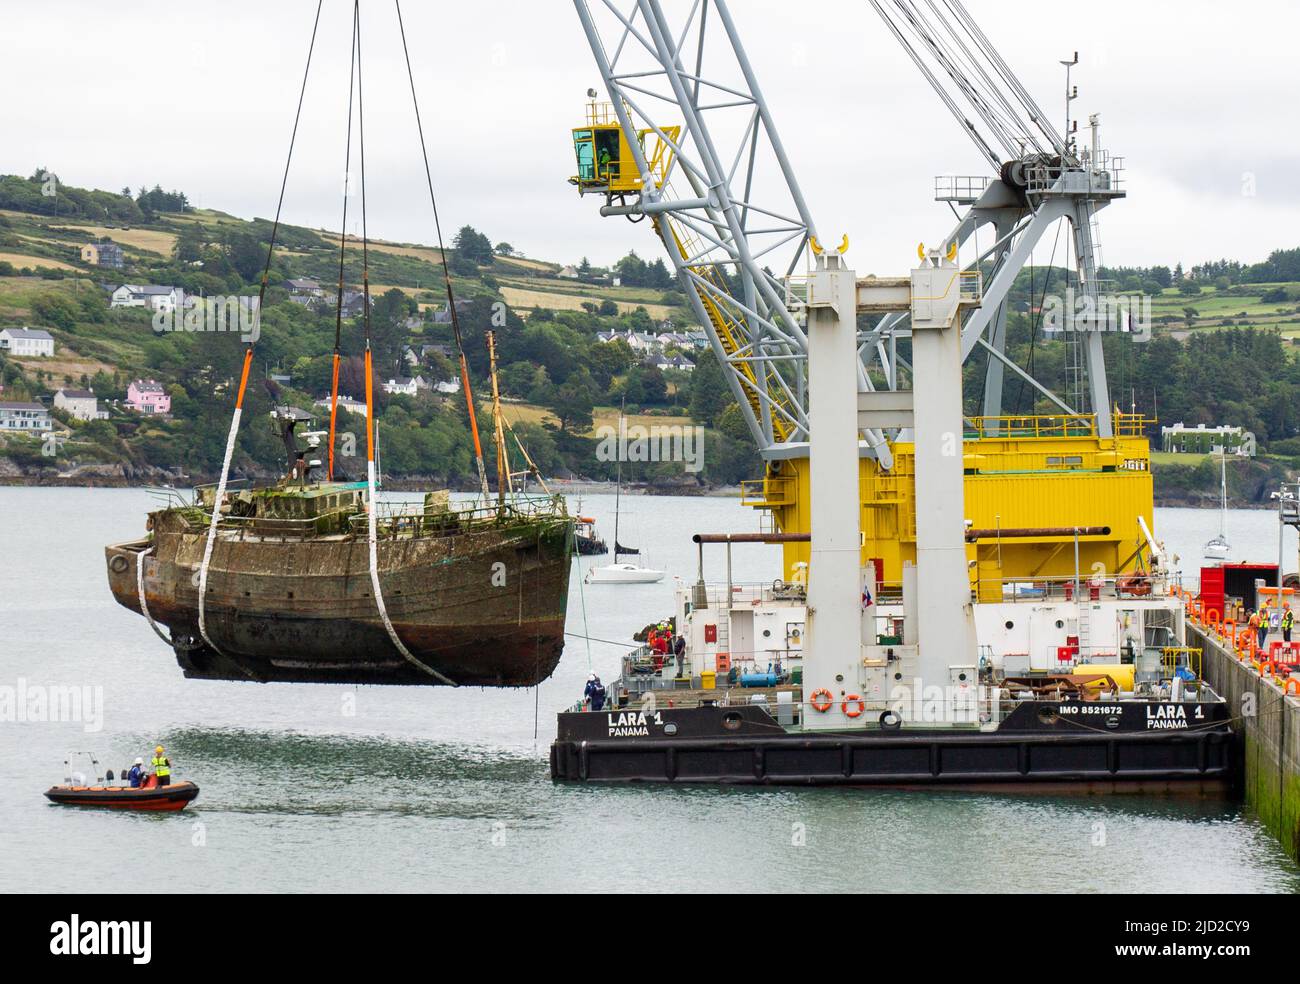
point(965, 599)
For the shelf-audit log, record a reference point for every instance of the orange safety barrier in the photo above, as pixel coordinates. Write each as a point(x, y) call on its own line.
point(1292, 684)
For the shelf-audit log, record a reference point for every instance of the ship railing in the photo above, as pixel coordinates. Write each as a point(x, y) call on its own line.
point(394, 519)
point(275, 528)
point(982, 707)
point(744, 594)
point(1054, 425)
point(1086, 587)
point(397, 519)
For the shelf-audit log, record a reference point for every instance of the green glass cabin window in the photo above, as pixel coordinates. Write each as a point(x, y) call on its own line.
point(586, 151)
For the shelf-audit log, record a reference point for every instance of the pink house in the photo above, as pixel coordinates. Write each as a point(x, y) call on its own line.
point(148, 396)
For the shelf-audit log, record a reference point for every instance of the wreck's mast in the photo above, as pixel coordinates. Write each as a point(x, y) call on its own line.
point(503, 460)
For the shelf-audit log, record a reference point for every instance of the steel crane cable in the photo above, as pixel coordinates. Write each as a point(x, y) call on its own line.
point(1034, 111)
point(1036, 323)
point(943, 94)
point(911, 19)
point(220, 491)
point(925, 33)
point(996, 91)
point(372, 526)
point(966, 73)
point(446, 272)
point(343, 240)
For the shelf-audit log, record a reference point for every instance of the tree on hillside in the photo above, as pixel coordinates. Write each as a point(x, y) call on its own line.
point(657, 276)
point(472, 245)
point(574, 402)
point(632, 270)
point(388, 331)
point(246, 255)
point(710, 393)
point(158, 200)
point(189, 244)
point(605, 360)
point(644, 385)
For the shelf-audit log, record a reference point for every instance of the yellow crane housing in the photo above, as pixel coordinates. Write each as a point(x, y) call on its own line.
point(1040, 473)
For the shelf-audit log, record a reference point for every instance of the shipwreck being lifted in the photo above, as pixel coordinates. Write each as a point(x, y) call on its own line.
point(475, 593)
point(315, 580)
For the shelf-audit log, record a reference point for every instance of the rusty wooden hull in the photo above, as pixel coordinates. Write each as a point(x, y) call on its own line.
point(481, 607)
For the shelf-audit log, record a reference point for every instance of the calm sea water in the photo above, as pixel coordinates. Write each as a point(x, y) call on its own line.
point(315, 788)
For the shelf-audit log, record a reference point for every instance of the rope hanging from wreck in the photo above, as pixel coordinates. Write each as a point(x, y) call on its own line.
point(373, 503)
point(248, 359)
point(446, 272)
point(144, 604)
point(583, 598)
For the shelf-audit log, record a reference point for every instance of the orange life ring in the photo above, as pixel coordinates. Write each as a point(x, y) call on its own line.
point(852, 699)
point(822, 705)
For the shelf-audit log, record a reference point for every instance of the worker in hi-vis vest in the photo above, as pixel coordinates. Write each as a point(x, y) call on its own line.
point(1288, 619)
point(162, 767)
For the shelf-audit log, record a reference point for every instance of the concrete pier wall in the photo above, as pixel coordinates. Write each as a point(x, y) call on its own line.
point(1267, 722)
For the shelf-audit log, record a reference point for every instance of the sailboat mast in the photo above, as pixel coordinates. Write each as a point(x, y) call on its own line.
point(1223, 490)
point(618, 479)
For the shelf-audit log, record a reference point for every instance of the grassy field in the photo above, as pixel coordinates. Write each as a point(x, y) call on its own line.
point(20, 260)
point(1213, 306)
point(150, 240)
point(519, 297)
point(18, 293)
point(1177, 458)
point(65, 364)
point(601, 417)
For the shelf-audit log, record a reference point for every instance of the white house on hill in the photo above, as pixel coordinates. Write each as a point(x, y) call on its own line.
point(156, 298)
point(27, 342)
point(82, 404)
point(25, 418)
point(405, 386)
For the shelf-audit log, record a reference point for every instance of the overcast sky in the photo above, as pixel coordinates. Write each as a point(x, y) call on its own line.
point(1199, 97)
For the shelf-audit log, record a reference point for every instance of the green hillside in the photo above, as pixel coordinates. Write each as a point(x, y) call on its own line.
point(556, 377)
point(1221, 347)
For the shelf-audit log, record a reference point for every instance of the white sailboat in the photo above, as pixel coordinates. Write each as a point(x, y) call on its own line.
point(1218, 547)
point(621, 573)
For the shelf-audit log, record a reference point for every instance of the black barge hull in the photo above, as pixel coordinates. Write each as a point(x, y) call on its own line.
point(1036, 747)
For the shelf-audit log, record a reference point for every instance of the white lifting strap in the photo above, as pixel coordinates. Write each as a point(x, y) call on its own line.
point(379, 594)
point(144, 604)
point(212, 531)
